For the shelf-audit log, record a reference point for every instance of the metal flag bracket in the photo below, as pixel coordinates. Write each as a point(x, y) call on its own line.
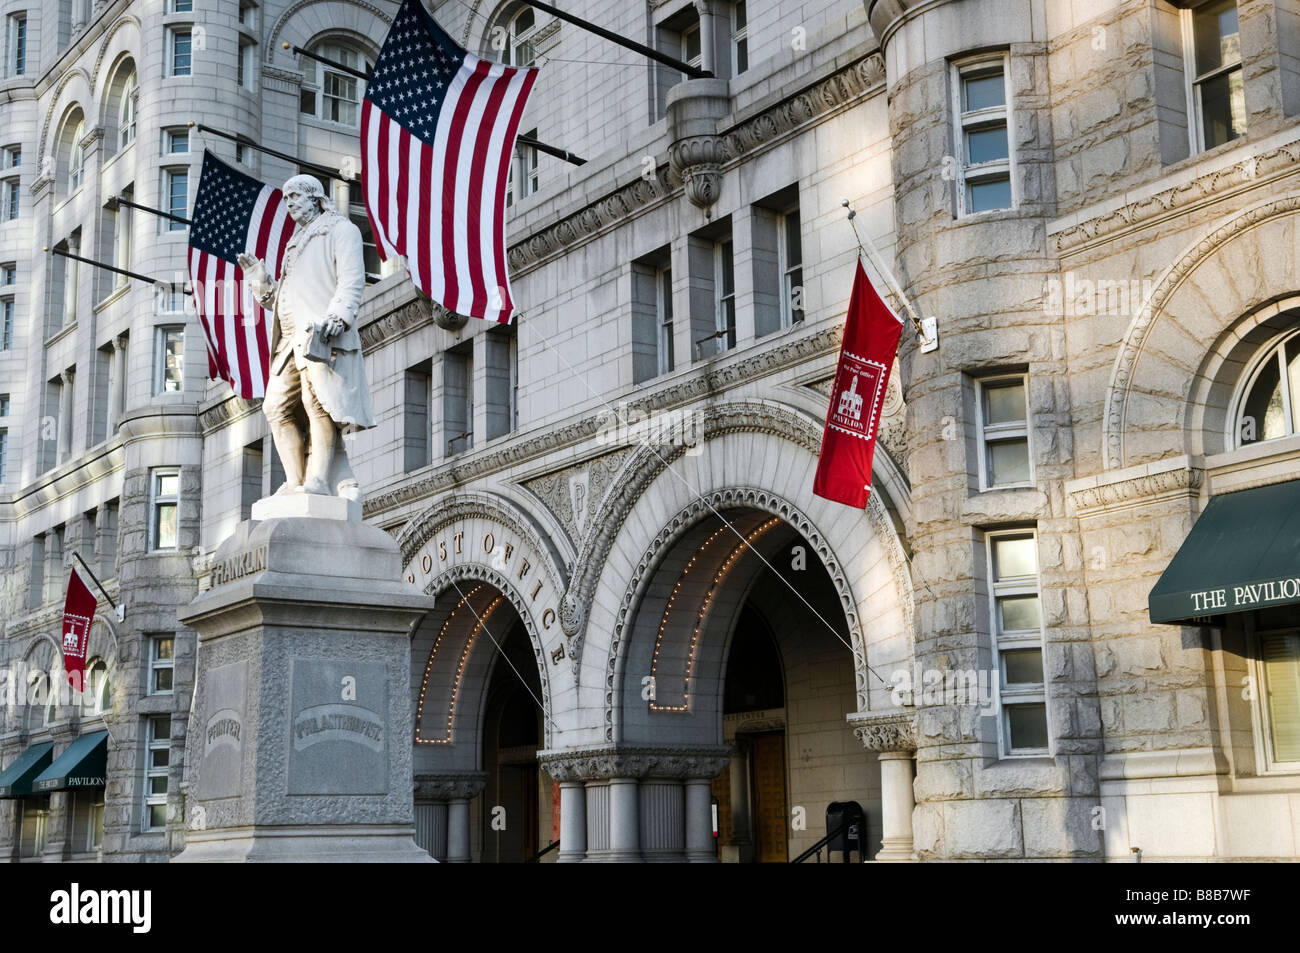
point(927, 329)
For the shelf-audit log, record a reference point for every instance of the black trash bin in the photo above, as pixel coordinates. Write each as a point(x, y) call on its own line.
point(846, 828)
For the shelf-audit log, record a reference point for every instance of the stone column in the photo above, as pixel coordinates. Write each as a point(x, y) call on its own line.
point(624, 820)
point(573, 822)
point(116, 381)
point(458, 831)
point(708, 55)
point(700, 845)
point(892, 734)
point(65, 416)
point(300, 748)
point(741, 844)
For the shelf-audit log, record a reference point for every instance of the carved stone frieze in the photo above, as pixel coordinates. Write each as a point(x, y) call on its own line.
point(572, 494)
point(1169, 484)
point(393, 324)
point(450, 786)
point(232, 408)
point(888, 731)
point(608, 762)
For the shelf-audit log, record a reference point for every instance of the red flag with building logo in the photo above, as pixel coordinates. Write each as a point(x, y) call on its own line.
point(866, 355)
point(78, 612)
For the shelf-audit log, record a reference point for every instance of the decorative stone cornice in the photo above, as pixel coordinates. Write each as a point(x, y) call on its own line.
point(675, 393)
point(450, 786)
point(887, 731)
point(232, 408)
point(1252, 171)
point(1181, 483)
point(732, 143)
point(609, 762)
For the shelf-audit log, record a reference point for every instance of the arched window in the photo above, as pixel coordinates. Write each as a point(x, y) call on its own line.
point(98, 697)
point(38, 702)
point(512, 39)
point(126, 113)
point(332, 94)
point(1269, 405)
point(77, 158)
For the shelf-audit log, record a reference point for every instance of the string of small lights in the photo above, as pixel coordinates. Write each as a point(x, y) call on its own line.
point(428, 669)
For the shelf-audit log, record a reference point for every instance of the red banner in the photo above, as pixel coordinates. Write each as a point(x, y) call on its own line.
point(78, 613)
point(866, 355)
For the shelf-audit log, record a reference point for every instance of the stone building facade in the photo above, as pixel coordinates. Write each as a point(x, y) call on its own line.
point(647, 627)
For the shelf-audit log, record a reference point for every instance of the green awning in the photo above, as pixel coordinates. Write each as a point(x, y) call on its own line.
point(83, 765)
point(16, 780)
point(1242, 554)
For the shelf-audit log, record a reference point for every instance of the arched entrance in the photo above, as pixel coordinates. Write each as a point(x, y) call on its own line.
point(738, 635)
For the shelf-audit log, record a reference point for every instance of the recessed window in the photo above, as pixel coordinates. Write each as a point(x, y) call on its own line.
point(161, 664)
point(739, 37)
point(1016, 622)
point(12, 200)
point(126, 113)
point(33, 825)
point(983, 146)
point(164, 497)
point(176, 140)
point(176, 193)
point(6, 323)
point(77, 161)
point(791, 248)
point(4, 405)
point(4, 454)
point(332, 94)
point(248, 15)
point(178, 51)
point(1279, 666)
point(724, 278)
point(158, 732)
point(169, 361)
point(180, 6)
point(16, 45)
point(512, 41)
point(99, 693)
point(1212, 45)
point(1004, 432)
point(1267, 408)
point(246, 65)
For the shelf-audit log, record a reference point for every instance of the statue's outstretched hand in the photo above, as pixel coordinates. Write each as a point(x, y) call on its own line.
point(254, 271)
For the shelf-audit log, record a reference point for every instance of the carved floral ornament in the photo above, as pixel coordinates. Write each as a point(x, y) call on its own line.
point(891, 731)
point(609, 762)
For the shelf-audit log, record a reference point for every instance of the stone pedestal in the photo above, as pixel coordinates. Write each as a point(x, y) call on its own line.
point(300, 744)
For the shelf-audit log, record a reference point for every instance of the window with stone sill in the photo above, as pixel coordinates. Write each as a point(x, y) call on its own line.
point(1216, 93)
point(1003, 412)
point(169, 360)
point(179, 51)
point(164, 497)
point(161, 664)
point(1267, 406)
point(1276, 670)
point(1015, 617)
point(983, 170)
point(510, 40)
point(158, 731)
point(16, 45)
point(330, 94)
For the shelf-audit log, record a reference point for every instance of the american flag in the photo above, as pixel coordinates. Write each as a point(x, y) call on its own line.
point(235, 213)
point(438, 128)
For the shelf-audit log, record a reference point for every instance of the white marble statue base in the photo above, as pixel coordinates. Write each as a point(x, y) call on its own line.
point(314, 505)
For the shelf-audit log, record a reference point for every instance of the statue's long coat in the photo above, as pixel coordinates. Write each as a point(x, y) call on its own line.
point(324, 273)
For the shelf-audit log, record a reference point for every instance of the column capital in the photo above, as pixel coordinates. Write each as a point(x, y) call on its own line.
point(452, 786)
point(607, 762)
point(885, 731)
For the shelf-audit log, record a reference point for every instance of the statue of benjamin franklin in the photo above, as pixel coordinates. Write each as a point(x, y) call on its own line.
point(317, 390)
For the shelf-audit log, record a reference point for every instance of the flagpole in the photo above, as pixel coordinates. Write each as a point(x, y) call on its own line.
point(694, 72)
point(94, 579)
point(117, 199)
point(301, 163)
point(100, 264)
point(529, 141)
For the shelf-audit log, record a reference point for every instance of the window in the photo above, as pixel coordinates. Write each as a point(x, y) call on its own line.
point(169, 361)
point(4, 454)
point(1016, 622)
point(1213, 64)
point(416, 419)
point(176, 141)
point(99, 693)
point(13, 157)
point(501, 359)
point(176, 195)
point(170, 298)
point(87, 820)
point(126, 114)
point(791, 269)
point(331, 94)
point(8, 274)
point(982, 135)
point(178, 51)
point(514, 40)
point(122, 234)
point(163, 496)
point(458, 398)
point(1004, 432)
point(34, 823)
point(12, 199)
point(77, 162)
point(6, 323)
point(4, 405)
point(158, 731)
point(1266, 407)
point(739, 38)
point(16, 45)
point(180, 6)
point(161, 663)
point(246, 65)
point(678, 36)
point(652, 316)
point(725, 294)
point(1278, 670)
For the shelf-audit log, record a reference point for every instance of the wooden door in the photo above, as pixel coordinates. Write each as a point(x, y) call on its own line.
point(767, 763)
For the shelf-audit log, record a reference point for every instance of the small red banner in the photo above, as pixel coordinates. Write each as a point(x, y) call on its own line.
point(866, 355)
point(78, 613)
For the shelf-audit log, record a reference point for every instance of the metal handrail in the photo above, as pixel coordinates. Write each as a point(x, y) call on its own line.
point(543, 852)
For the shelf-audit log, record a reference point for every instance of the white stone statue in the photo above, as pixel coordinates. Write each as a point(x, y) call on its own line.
point(317, 390)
